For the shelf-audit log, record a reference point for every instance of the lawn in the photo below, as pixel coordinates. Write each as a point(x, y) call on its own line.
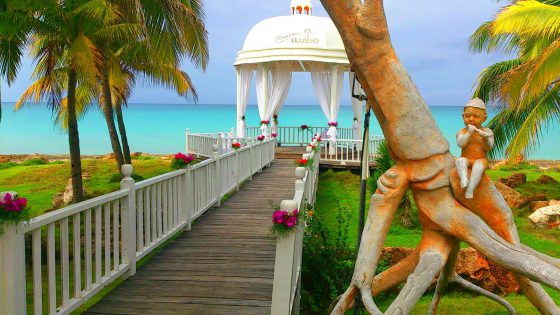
point(39, 183)
point(342, 187)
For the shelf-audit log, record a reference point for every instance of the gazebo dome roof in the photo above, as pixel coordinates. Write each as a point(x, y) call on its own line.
point(299, 38)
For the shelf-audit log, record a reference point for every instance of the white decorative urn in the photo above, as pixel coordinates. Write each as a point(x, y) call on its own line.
point(300, 172)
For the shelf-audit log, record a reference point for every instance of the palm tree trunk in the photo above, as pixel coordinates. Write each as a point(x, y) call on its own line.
point(122, 132)
point(107, 108)
point(74, 140)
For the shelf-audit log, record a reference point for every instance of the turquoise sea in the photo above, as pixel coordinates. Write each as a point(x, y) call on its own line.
point(160, 128)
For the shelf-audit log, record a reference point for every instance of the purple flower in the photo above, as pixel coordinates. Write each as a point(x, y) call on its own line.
point(13, 205)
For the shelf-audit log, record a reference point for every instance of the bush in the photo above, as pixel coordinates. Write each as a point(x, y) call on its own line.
point(7, 165)
point(37, 161)
point(328, 262)
point(518, 167)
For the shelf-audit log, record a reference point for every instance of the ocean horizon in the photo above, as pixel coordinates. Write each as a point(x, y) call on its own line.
point(160, 128)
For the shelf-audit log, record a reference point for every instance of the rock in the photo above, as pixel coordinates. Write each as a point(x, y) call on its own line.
point(554, 203)
point(136, 155)
point(513, 198)
point(539, 204)
point(472, 266)
point(475, 268)
point(546, 217)
point(545, 179)
point(514, 180)
point(4, 159)
point(62, 199)
point(57, 201)
point(536, 197)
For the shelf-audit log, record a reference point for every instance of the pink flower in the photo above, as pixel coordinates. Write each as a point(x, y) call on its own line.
point(13, 205)
point(260, 137)
point(278, 217)
point(273, 135)
point(333, 124)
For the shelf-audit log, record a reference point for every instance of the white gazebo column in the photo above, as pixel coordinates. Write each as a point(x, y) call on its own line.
point(264, 97)
point(240, 123)
point(333, 111)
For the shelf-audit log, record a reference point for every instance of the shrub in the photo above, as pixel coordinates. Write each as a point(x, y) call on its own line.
point(328, 262)
point(518, 167)
point(7, 165)
point(37, 161)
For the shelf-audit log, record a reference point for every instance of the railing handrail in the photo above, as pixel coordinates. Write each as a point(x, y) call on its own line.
point(128, 224)
point(287, 268)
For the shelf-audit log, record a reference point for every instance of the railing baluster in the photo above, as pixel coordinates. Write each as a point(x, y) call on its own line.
point(64, 261)
point(139, 220)
point(77, 256)
point(88, 257)
point(37, 281)
point(116, 239)
point(165, 207)
point(98, 244)
point(153, 208)
point(147, 215)
point(51, 246)
point(107, 228)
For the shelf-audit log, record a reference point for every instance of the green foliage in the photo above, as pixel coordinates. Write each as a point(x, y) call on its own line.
point(328, 261)
point(37, 161)
point(383, 163)
point(7, 165)
point(523, 166)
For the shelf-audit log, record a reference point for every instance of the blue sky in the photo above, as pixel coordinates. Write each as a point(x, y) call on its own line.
point(430, 37)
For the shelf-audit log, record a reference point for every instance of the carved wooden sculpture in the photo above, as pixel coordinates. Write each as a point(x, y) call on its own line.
point(425, 166)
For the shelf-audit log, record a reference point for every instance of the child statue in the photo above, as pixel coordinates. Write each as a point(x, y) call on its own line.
point(475, 141)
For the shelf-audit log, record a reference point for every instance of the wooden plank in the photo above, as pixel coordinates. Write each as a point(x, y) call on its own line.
point(225, 264)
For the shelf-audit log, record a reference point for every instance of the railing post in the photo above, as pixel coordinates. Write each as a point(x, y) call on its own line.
point(284, 268)
point(237, 170)
point(250, 144)
point(186, 192)
point(129, 219)
point(217, 181)
point(12, 269)
point(187, 131)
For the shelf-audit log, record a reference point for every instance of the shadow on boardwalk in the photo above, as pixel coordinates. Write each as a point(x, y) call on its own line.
point(225, 264)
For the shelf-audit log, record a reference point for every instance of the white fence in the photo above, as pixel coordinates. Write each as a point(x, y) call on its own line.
point(348, 150)
point(287, 267)
point(298, 136)
point(207, 144)
point(78, 250)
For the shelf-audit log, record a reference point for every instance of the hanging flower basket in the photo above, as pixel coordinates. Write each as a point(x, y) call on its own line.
point(181, 160)
point(333, 124)
point(260, 137)
point(265, 122)
point(236, 145)
point(13, 210)
point(273, 135)
point(304, 162)
point(303, 127)
point(284, 222)
point(275, 119)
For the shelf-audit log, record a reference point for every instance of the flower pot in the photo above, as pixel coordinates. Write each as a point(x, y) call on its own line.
point(300, 172)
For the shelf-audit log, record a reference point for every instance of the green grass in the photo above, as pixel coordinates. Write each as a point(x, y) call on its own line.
point(40, 182)
point(344, 187)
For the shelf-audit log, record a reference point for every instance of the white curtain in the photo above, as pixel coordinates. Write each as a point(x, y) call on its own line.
point(272, 91)
point(324, 88)
point(244, 75)
point(357, 107)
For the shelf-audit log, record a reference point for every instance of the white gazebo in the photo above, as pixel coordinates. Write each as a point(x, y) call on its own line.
point(300, 42)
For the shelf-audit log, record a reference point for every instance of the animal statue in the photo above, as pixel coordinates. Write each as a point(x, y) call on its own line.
point(425, 166)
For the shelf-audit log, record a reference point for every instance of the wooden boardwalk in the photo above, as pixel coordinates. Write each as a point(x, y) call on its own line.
point(224, 265)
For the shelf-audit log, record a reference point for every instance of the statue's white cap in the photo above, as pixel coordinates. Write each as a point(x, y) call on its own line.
point(477, 103)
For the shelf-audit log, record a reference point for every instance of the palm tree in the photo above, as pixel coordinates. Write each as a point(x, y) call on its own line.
point(60, 36)
point(527, 86)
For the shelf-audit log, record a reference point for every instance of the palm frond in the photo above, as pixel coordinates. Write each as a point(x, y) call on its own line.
point(490, 81)
point(529, 18)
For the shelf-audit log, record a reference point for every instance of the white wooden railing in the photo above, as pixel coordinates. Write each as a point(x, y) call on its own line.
point(204, 144)
point(297, 136)
point(287, 266)
point(78, 250)
point(348, 150)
